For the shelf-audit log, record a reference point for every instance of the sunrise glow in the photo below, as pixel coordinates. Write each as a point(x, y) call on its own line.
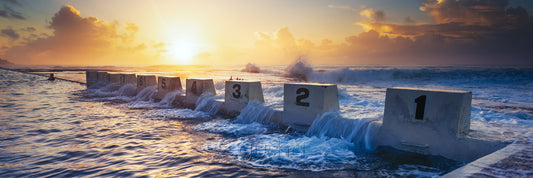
point(442, 32)
point(266, 88)
point(182, 50)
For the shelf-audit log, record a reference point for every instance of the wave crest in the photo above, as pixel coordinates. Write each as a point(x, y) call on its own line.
point(300, 70)
point(251, 68)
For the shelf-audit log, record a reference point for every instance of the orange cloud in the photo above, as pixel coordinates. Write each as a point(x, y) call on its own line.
point(422, 47)
point(463, 32)
point(373, 15)
point(486, 12)
point(78, 40)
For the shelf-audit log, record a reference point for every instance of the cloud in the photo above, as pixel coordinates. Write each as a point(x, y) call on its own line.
point(373, 15)
point(369, 13)
point(78, 40)
point(486, 12)
point(9, 13)
point(279, 46)
point(15, 2)
point(372, 47)
point(29, 29)
point(467, 31)
point(464, 19)
point(348, 8)
point(481, 33)
point(408, 20)
point(10, 34)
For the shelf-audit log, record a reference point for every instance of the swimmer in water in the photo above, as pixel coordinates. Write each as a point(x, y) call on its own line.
point(51, 77)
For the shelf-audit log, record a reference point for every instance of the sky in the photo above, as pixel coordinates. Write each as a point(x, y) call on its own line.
point(235, 32)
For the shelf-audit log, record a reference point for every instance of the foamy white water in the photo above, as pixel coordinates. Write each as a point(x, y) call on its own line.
point(342, 140)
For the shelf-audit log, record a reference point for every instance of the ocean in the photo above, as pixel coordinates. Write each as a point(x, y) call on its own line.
point(62, 129)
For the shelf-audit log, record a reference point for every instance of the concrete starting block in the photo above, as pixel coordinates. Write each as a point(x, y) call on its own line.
point(303, 102)
point(239, 93)
point(91, 78)
point(127, 78)
point(196, 87)
point(432, 122)
point(144, 81)
point(101, 76)
point(166, 84)
point(113, 78)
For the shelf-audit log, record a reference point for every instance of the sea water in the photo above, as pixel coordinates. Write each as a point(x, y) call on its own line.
point(59, 128)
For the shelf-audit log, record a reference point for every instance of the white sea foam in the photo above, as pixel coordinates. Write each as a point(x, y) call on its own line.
point(127, 90)
point(141, 105)
point(328, 145)
point(207, 103)
point(170, 97)
point(501, 104)
point(220, 86)
point(175, 114)
point(361, 132)
point(288, 151)
point(147, 94)
point(114, 92)
point(255, 112)
point(97, 85)
point(232, 128)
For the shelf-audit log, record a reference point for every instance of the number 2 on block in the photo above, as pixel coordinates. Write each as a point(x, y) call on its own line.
point(302, 93)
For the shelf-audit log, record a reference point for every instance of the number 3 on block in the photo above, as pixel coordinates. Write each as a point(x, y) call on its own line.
point(237, 92)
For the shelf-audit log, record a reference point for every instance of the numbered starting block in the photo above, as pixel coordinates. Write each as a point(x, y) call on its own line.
point(144, 81)
point(127, 78)
point(239, 93)
point(91, 78)
point(303, 102)
point(196, 87)
point(166, 84)
point(113, 78)
point(433, 122)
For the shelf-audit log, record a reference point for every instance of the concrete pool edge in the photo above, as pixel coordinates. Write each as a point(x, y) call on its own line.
point(516, 155)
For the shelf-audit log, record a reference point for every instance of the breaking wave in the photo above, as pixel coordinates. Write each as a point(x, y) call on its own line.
point(300, 70)
point(251, 68)
point(487, 77)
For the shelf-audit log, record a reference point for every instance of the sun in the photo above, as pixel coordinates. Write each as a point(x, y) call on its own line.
point(182, 51)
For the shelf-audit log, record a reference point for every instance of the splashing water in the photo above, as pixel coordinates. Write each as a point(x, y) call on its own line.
point(127, 90)
point(207, 103)
point(361, 132)
point(97, 85)
point(169, 98)
point(147, 94)
point(251, 68)
point(300, 70)
point(336, 141)
point(113, 91)
point(255, 112)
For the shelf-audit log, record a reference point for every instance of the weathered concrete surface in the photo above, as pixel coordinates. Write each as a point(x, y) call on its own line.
point(303, 102)
point(166, 84)
point(91, 78)
point(515, 160)
point(101, 76)
point(113, 77)
point(432, 122)
point(126, 78)
point(238, 94)
point(195, 88)
point(144, 81)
